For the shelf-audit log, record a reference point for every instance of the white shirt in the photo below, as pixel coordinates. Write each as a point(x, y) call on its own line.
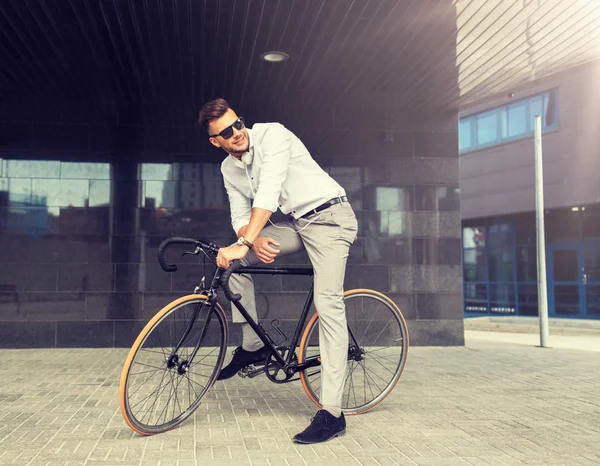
point(283, 175)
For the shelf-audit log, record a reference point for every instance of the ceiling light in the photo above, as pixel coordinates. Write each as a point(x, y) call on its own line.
point(274, 56)
point(575, 209)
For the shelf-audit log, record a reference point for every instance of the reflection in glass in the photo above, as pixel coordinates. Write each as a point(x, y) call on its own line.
point(159, 194)
point(528, 299)
point(85, 170)
point(566, 265)
point(566, 300)
point(476, 297)
point(464, 134)
point(18, 190)
point(157, 171)
point(562, 224)
point(526, 264)
point(593, 300)
point(591, 263)
point(474, 260)
point(37, 204)
point(31, 169)
point(501, 264)
point(398, 223)
point(487, 128)
point(516, 124)
point(591, 222)
point(99, 193)
point(502, 298)
point(389, 198)
point(60, 193)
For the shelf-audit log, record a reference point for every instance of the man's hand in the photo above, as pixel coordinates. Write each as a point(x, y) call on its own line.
point(264, 251)
point(230, 253)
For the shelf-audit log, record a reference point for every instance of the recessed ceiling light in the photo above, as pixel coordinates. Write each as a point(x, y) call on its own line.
point(274, 56)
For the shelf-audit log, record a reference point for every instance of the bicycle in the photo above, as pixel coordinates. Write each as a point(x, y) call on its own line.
point(163, 384)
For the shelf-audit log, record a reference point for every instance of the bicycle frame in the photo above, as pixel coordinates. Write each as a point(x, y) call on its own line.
point(262, 334)
point(287, 364)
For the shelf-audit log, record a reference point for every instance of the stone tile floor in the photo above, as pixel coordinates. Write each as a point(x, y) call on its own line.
point(487, 403)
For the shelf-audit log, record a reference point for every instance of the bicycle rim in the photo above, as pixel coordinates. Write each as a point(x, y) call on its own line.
point(375, 364)
point(156, 395)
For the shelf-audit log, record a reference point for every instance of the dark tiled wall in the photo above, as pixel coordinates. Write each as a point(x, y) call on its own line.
point(83, 208)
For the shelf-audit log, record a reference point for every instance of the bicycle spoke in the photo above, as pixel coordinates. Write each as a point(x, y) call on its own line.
point(156, 398)
point(375, 326)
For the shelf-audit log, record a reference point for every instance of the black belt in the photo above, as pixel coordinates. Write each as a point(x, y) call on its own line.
point(325, 205)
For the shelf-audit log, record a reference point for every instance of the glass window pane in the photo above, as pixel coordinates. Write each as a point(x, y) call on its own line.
point(525, 230)
point(562, 224)
point(527, 264)
point(500, 235)
point(593, 301)
point(487, 128)
point(475, 297)
point(504, 122)
point(474, 265)
point(517, 120)
point(566, 300)
point(591, 264)
point(550, 109)
point(474, 237)
point(501, 264)
point(502, 298)
point(464, 134)
point(566, 265)
point(591, 222)
point(528, 300)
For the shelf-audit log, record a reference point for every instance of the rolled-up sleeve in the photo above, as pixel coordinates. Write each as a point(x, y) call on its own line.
point(277, 149)
point(239, 205)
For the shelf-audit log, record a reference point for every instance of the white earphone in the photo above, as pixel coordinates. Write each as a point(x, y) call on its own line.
point(243, 161)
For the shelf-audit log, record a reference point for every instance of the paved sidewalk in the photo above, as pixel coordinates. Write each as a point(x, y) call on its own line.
point(489, 403)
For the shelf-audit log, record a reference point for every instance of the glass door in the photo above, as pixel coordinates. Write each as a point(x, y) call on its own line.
point(566, 282)
point(590, 253)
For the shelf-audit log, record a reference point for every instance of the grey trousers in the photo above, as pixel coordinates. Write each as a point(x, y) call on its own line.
point(327, 237)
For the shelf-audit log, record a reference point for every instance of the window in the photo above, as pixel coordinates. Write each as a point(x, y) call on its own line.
point(508, 122)
point(487, 128)
point(465, 134)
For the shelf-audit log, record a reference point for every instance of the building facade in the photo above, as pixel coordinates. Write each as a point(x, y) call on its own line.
point(498, 198)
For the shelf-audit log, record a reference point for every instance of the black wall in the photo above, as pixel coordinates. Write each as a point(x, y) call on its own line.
point(84, 206)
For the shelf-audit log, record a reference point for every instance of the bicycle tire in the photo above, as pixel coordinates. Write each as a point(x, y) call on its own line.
point(309, 340)
point(217, 330)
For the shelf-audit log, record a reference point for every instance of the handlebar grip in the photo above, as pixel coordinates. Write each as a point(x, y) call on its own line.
point(236, 264)
point(163, 246)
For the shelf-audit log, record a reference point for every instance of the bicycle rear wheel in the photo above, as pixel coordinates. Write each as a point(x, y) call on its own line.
point(161, 388)
point(377, 351)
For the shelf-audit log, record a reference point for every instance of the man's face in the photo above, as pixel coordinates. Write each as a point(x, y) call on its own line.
point(238, 143)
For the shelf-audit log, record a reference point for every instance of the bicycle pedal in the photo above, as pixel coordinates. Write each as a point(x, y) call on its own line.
point(244, 372)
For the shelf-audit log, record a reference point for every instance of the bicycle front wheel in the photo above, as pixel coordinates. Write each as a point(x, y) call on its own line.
point(161, 387)
point(377, 351)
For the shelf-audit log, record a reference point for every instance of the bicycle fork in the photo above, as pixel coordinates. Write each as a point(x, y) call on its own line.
point(184, 366)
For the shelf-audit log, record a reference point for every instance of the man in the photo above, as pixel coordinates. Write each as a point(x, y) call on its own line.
point(268, 168)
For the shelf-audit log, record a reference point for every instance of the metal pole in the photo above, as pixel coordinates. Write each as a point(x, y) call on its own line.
point(541, 238)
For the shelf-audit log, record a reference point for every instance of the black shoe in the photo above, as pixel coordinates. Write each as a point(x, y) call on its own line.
point(241, 359)
point(324, 426)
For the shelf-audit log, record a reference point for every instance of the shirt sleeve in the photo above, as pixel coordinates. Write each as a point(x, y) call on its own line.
point(239, 205)
point(277, 149)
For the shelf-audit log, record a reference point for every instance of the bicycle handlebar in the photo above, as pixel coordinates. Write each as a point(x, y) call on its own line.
point(236, 264)
point(209, 247)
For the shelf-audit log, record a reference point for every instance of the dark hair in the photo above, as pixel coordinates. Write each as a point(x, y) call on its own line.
point(212, 110)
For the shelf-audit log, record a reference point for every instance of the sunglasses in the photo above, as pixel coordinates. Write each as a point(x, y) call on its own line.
point(228, 132)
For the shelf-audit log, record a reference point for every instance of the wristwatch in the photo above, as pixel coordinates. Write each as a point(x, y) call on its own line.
point(244, 242)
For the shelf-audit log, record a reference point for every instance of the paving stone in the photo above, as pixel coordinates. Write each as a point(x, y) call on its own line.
point(486, 404)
